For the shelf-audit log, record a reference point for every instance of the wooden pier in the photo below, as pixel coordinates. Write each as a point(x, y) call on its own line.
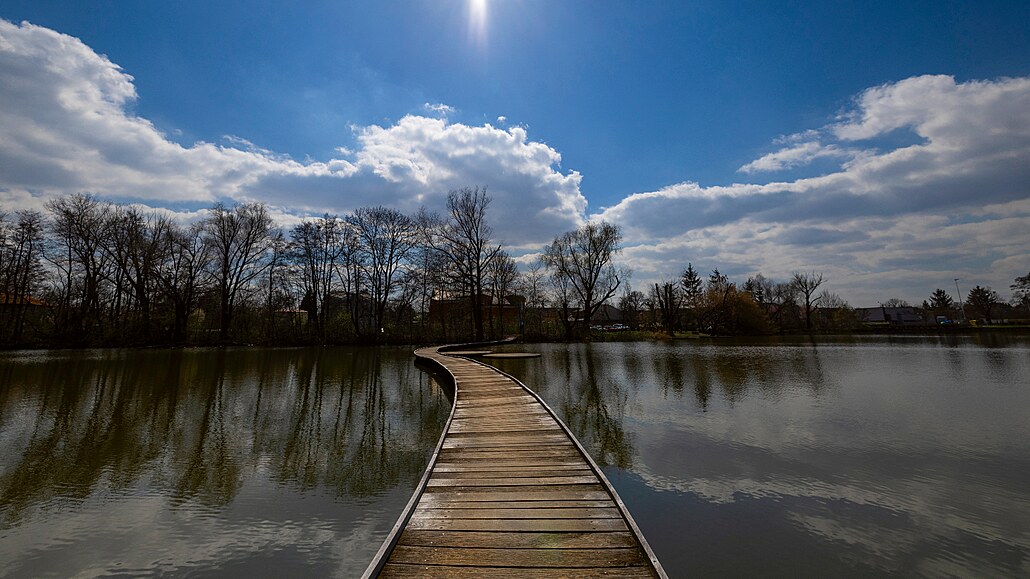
point(510, 492)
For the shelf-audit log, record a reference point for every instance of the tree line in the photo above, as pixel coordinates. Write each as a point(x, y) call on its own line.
point(716, 305)
point(90, 272)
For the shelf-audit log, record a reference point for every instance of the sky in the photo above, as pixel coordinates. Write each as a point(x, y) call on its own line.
point(884, 144)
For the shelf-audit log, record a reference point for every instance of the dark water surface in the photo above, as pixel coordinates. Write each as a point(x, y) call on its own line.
point(247, 462)
point(854, 456)
point(857, 456)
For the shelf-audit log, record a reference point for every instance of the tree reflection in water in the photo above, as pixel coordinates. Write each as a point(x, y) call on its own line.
point(196, 425)
point(589, 384)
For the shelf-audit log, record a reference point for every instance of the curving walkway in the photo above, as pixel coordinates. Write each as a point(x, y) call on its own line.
point(509, 492)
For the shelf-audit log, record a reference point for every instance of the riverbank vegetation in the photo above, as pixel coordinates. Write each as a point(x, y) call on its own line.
point(87, 272)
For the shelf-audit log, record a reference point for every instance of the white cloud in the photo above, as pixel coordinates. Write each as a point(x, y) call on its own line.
point(66, 126)
point(794, 156)
point(438, 109)
point(902, 220)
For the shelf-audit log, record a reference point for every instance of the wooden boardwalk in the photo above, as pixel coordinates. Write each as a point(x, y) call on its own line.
point(510, 492)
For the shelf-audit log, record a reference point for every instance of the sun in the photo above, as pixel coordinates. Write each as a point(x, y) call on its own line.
point(477, 21)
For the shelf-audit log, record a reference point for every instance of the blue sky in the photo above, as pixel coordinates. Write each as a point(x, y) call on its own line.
point(721, 133)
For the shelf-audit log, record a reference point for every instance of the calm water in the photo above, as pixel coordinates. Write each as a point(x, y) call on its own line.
point(851, 457)
point(262, 462)
point(863, 456)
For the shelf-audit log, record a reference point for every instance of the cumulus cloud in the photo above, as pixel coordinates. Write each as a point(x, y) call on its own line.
point(906, 218)
point(66, 125)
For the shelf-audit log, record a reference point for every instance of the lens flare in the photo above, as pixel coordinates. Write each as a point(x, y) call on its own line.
point(477, 22)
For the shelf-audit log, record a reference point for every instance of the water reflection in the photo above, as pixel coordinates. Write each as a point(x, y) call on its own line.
point(849, 456)
point(217, 433)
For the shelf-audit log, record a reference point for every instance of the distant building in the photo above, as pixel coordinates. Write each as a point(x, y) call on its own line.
point(500, 316)
point(608, 314)
point(885, 316)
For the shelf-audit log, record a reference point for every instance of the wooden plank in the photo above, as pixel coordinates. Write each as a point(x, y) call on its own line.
point(446, 572)
point(526, 494)
point(509, 443)
point(528, 513)
point(528, 558)
point(565, 451)
point(487, 539)
point(498, 482)
point(523, 417)
point(542, 525)
point(501, 428)
point(507, 404)
point(549, 435)
point(466, 427)
point(506, 466)
point(438, 503)
point(515, 473)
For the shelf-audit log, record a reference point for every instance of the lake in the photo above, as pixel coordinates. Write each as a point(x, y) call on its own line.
point(851, 456)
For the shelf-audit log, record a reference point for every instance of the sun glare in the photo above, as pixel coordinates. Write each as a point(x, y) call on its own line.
point(477, 21)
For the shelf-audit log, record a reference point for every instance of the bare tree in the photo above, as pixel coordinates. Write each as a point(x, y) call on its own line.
point(631, 302)
point(464, 239)
point(532, 285)
point(1021, 292)
point(317, 249)
point(80, 230)
point(584, 258)
point(135, 244)
point(895, 303)
point(185, 259)
point(668, 299)
point(502, 277)
point(278, 294)
point(239, 239)
point(386, 238)
point(21, 271)
point(782, 303)
point(807, 284)
point(563, 297)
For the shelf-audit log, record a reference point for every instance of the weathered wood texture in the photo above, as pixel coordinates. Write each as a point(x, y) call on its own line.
point(510, 494)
